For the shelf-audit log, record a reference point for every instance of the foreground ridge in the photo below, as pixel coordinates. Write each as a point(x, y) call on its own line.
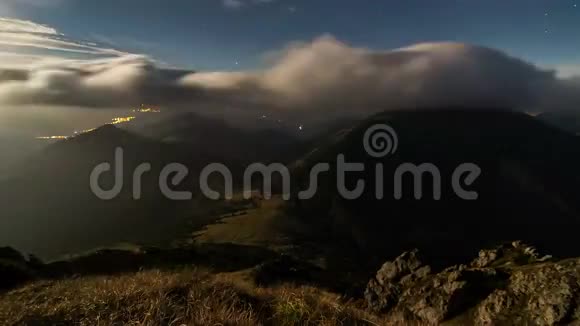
point(509, 284)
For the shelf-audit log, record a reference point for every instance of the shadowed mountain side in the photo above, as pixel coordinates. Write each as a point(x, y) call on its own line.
point(527, 188)
point(49, 208)
point(565, 120)
point(219, 257)
point(219, 138)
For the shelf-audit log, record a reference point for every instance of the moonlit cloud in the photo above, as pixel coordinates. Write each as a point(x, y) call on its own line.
point(9, 25)
point(236, 4)
point(327, 75)
point(13, 7)
point(46, 66)
point(233, 4)
point(568, 70)
point(26, 38)
point(312, 80)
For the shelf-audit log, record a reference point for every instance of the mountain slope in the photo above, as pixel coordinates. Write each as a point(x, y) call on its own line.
point(221, 139)
point(49, 208)
point(565, 120)
point(527, 188)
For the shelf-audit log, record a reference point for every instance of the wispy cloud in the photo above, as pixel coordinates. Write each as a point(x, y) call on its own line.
point(24, 26)
point(14, 7)
point(25, 41)
point(308, 80)
point(233, 4)
point(40, 65)
point(237, 4)
point(568, 70)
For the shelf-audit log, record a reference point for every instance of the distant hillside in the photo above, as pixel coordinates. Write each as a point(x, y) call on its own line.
point(48, 207)
point(220, 139)
point(565, 120)
point(527, 189)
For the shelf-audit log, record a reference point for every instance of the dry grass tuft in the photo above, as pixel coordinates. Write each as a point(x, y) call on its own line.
point(185, 297)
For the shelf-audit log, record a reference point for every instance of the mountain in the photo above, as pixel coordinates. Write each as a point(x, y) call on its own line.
point(221, 139)
point(50, 210)
point(527, 187)
point(565, 120)
point(48, 207)
point(276, 262)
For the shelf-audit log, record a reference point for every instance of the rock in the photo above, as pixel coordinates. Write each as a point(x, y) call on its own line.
point(544, 294)
point(489, 309)
point(383, 291)
point(516, 253)
point(485, 258)
point(380, 298)
point(401, 266)
point(504, 286)
point(448, 293)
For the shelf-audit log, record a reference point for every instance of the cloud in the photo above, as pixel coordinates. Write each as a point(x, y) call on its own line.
point(13, 7)
point(233, 4)
point(327, 75)
point(313, 80)
point(9, 25)
point(21, 36)
point(40, 65)
point(568, 70)
point(111, 82)
point(237, 4)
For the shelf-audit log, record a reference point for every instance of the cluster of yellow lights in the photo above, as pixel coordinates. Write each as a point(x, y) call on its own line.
point(53, 137)
point(144, 109)
point(84, 131)
point(114, 121)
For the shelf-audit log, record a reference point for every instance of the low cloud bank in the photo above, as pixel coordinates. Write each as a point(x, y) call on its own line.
point(311, 79)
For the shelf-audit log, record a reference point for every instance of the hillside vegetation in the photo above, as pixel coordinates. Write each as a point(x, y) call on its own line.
point(181, 297)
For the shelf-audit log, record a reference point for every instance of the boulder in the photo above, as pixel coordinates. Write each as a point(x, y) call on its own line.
point(384, 290)
point(510, 284)
point(542, 294)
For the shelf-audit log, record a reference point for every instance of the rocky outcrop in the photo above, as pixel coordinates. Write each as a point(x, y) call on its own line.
point(511, 284)
point(542, 294)
point(383, 292)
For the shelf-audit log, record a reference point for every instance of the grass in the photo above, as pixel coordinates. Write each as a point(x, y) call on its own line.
point(189, 296)
point(183, 297)
point(267, 225)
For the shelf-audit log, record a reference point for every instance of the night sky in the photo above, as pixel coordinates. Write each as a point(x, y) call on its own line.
point(236, 34)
